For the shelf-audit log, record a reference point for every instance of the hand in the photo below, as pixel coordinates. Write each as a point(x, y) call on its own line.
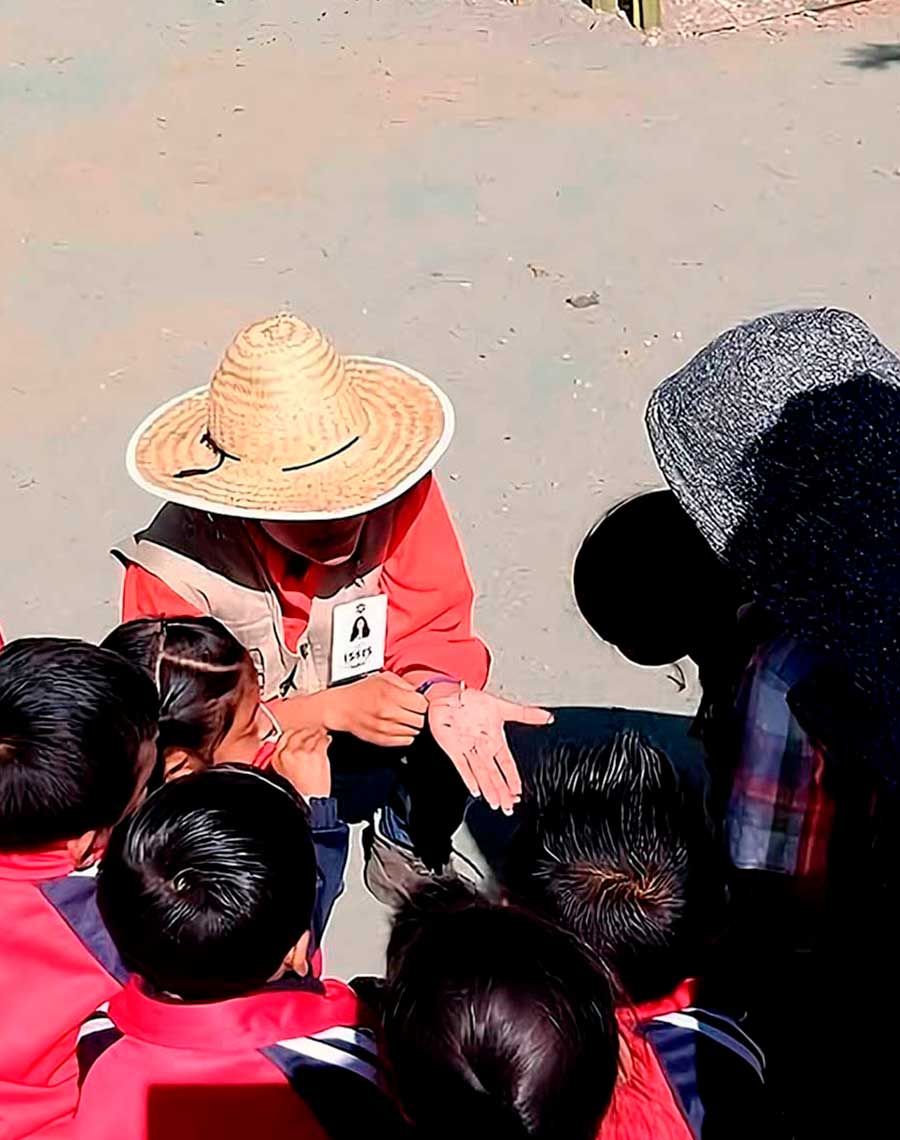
point(382, 709)
point(301, 756)
point(469, 728)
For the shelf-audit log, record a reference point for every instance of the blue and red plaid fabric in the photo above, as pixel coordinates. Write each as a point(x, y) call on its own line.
point(780, 814)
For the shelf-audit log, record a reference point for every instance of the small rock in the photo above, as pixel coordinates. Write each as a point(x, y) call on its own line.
point(584, 300)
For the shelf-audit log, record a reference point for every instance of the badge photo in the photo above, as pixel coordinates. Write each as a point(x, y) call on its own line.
point(358, 633)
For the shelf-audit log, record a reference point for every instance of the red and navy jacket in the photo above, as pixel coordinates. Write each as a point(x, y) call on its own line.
point(297, 1058)
point(58, 964)
point(687, 1074)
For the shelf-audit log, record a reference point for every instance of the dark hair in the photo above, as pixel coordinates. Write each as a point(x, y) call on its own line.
point(610, 849)
point(72, 721)
point(646, 581)
point(495, 1022)
point(211, 883)
point(197, 665)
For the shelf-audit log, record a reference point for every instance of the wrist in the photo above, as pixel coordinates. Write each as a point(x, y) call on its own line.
point(311, 710)
point(328, 710)
point(441, 690)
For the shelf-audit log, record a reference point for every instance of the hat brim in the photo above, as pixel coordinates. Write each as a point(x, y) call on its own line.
point(410, 425)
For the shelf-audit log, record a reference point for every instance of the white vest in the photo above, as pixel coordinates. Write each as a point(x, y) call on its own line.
point(212, 562)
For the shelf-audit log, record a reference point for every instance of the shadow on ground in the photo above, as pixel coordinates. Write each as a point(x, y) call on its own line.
point(873, 57)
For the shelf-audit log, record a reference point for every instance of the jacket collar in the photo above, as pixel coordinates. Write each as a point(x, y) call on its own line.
point(37, 866)
point(682, 997)
point(283, 1010)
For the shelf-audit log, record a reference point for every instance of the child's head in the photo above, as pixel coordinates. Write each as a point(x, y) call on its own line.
point(612, 851)
point(646, 581)
point(77, 743)
point(208, 889)
point(495, 1022)
point(210, 710)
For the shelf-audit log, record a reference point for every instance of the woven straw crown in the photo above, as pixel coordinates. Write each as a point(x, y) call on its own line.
point(281, 394)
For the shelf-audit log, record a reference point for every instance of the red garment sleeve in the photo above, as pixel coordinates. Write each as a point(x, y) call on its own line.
point(145, 595)
point(430, 594)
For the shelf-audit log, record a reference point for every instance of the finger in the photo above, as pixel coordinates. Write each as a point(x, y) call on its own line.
point(509, 771)
point(415, 721)
point(412, 702)
point(460, 762)
point(283, 746)
point(389, 734)
point(391, 731)
point(302, 738)
point(487, 774)
point(524, 714)
point(384, 741)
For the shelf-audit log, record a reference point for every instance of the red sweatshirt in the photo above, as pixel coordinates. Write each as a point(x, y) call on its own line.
point(292, 1060)
point(687, 1073)
point(57, 964)
point(429, 590)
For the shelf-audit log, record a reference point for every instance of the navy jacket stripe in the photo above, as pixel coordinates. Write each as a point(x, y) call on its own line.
point(74, 898)
point(92, 1045)
point(731, 1029)
point(677, 1051)
point(343, 1102)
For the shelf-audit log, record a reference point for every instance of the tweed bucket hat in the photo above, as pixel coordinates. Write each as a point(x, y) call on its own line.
point(704, 420)
point(289, 429)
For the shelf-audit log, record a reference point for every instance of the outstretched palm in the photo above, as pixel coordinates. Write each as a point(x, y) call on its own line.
point(469, 726)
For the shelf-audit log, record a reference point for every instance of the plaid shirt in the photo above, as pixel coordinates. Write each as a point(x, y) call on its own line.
point(780, 815)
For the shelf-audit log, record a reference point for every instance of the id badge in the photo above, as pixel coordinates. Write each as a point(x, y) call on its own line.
point(358, 632)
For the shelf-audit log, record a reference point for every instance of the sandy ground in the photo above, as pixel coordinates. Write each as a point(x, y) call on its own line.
point(428, 181)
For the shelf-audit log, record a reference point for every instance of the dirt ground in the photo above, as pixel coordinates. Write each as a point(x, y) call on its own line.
point(430, 181)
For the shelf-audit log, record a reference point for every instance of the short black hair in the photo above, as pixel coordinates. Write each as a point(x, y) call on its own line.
point(197, 665)
point(496, 1022)
point(612, 849)
point(644, 578)
point(73, 718)
point(209, 885)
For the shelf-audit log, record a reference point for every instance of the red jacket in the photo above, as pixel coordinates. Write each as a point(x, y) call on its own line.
point(57, 964)
point(293, 1060)
point(429, 589)
point(687, 1073)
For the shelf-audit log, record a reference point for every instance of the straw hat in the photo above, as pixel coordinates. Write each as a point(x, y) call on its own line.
point(289, 429)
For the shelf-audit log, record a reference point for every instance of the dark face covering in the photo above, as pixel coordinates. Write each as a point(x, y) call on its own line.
point(780, 440)
point(821, 549)
point(326, 543)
